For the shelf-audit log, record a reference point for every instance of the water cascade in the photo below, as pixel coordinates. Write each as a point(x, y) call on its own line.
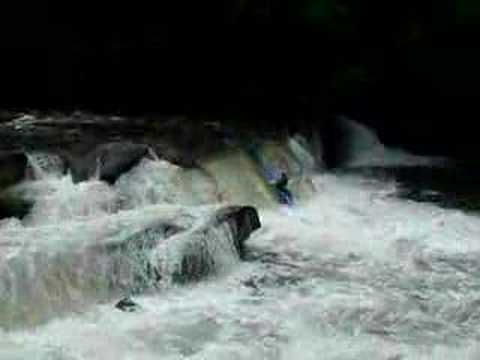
point(351, 271)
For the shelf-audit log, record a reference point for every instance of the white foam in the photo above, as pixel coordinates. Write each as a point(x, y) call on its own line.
point(45, 165)
point(357, 273)
point(157, 182)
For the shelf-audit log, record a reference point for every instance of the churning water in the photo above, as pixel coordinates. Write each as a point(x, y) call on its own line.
point(355, 272)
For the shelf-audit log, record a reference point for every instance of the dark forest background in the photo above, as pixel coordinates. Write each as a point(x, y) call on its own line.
point(409, 68)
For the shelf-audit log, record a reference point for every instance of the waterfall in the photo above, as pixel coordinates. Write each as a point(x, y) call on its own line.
point(153, 154)
point(60, 200)
point(45, 165)
point(299, 148)
point(98, 168)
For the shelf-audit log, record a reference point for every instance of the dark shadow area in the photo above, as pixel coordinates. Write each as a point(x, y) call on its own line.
point(409, 69)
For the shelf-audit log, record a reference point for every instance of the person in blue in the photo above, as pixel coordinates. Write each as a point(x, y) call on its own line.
point(284, 194)
point(279, 180)
point(276, 178)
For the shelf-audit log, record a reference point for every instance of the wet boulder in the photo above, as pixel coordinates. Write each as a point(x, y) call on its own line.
point(13, 205)
point(190, 252)
point(229, 228)
point(48, 271)
point(13, 165)
point(210, 248)
point(106, 161)
point(242, 221)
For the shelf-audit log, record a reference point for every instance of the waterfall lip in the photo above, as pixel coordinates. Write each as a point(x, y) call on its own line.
point(45, 164)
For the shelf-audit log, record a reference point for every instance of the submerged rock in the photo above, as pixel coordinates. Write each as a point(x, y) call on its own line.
point(127, 305)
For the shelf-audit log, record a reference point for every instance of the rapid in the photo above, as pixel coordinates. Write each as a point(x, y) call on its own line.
point(351, 271)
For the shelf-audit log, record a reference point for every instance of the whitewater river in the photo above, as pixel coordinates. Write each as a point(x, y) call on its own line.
point(353, 273)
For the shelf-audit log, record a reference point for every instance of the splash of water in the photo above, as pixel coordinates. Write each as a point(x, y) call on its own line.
point(45, 165)
point(153, 154)
point(157, 182)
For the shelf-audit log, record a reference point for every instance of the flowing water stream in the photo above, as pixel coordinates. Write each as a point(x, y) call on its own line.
point(354, 272)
